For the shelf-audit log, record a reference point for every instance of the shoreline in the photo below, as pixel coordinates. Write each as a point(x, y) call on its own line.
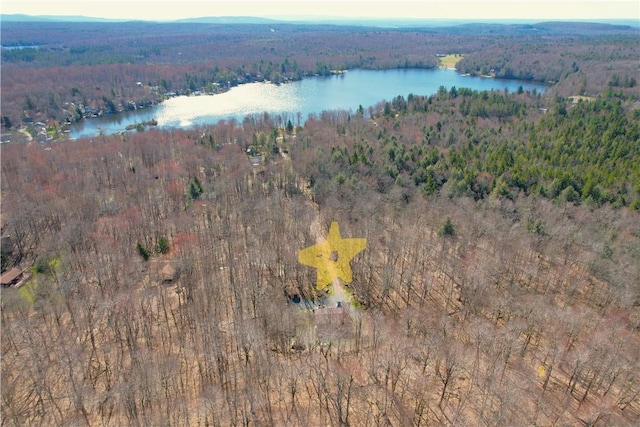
point(79, 132)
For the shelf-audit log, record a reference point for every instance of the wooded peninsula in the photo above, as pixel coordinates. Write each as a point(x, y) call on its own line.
point(152, 277)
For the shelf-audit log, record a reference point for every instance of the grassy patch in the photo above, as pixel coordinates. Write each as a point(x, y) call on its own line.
point(449, 61)
point(28, 291)
point(578, 98)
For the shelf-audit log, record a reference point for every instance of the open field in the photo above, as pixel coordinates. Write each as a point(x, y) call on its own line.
point(449, 61)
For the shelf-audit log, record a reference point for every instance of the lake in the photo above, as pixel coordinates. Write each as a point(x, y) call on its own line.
point(310, 95)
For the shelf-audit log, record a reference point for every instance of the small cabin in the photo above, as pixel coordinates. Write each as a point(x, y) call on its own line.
point(332, 323)
point(169, 274)
point(11, 277)
point(6, 245)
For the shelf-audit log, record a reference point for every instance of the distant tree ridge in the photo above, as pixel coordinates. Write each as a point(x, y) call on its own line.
point(65, 78)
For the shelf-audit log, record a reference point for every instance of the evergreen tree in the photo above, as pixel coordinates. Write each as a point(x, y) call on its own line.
point(163, 245)
point(447, 229)
point(143, 251)
point(195, 188)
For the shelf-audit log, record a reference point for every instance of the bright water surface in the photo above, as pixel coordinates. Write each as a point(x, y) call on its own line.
point(308, 96)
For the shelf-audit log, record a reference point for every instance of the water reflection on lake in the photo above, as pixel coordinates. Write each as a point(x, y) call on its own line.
point(310, 95)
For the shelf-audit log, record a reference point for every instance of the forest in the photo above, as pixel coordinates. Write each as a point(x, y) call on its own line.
point(63, 72)
point(159, 276)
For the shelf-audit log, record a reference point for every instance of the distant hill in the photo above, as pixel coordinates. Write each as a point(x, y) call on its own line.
point(78, 18)
point(228, 20)
point(542, 28)
point(55, 18)
point(591, 27)
point(485, 26)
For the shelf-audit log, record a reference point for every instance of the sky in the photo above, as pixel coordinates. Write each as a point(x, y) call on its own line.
point(290, 9)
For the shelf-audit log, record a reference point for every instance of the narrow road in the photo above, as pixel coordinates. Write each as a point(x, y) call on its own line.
point(27, 134)
point(338, 294)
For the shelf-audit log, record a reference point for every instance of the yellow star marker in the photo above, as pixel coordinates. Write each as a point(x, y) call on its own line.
point(332, 257)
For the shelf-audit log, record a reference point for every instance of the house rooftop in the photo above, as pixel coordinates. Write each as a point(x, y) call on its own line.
point(168, 273)
point(10, 276)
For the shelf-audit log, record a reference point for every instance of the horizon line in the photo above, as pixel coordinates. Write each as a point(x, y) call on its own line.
point(322, 17)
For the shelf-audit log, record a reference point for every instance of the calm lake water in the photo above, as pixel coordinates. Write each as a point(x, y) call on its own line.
point(310, 95)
